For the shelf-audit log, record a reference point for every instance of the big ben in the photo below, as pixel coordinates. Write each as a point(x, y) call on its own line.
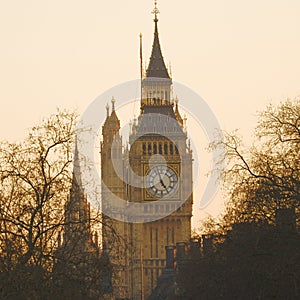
point(156, 175)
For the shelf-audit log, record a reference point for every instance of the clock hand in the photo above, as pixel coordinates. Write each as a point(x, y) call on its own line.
point(161, 181)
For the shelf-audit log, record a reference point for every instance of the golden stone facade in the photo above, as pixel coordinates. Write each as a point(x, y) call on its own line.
point(155, 172)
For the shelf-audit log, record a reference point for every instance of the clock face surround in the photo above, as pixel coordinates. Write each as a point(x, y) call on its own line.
point(161, 181)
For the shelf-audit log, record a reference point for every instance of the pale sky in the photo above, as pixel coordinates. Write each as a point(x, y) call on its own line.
point(238, 55)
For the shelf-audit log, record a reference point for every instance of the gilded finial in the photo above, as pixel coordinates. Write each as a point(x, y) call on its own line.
point(113, 101)
point(184, 123)
point(107, 109)
point(155, 11)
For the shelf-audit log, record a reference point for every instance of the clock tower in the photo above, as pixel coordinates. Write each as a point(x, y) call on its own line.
point(158, 169)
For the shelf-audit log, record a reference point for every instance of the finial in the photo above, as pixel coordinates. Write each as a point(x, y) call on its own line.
point(184, 123)
point(113, 101)
point(155, 11)
point(141, 58)
point(176, 100)
point(107, 110)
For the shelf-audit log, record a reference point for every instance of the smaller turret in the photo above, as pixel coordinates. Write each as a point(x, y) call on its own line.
point(111, 125)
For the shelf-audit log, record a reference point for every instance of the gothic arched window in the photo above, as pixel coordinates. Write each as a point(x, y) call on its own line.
point(166, 148)
point(149, 149)
point(154, 148)
point(160, 148)
point(171, 149)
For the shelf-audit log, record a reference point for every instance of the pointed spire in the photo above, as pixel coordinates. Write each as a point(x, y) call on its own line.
point(76, 167)
point(184, 123)
point(157, 67)
point(177, 113)
point(107, 110)
point(141, 56)
point(113, 101)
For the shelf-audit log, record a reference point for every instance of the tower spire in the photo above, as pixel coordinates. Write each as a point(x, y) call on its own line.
point(157, 67)
point(76, 167)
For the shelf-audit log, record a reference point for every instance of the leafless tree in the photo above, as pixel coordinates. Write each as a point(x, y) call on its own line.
point(266, 176)
point(34, 181)
point(36, 188)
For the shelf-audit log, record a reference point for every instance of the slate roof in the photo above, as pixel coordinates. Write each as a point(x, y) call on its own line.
point(159, 120)
point(157, 67)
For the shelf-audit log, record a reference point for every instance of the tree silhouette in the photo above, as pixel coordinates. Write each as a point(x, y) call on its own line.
point(255, 261)
point(265, 177)
point(36, 260)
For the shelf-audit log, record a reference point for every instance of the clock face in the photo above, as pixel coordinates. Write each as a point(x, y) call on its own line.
point(161, 181)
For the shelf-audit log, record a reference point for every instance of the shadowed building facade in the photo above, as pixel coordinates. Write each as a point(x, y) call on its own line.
point(153, 177)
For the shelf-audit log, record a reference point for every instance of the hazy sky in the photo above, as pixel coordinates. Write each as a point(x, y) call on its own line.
point(238, 55)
